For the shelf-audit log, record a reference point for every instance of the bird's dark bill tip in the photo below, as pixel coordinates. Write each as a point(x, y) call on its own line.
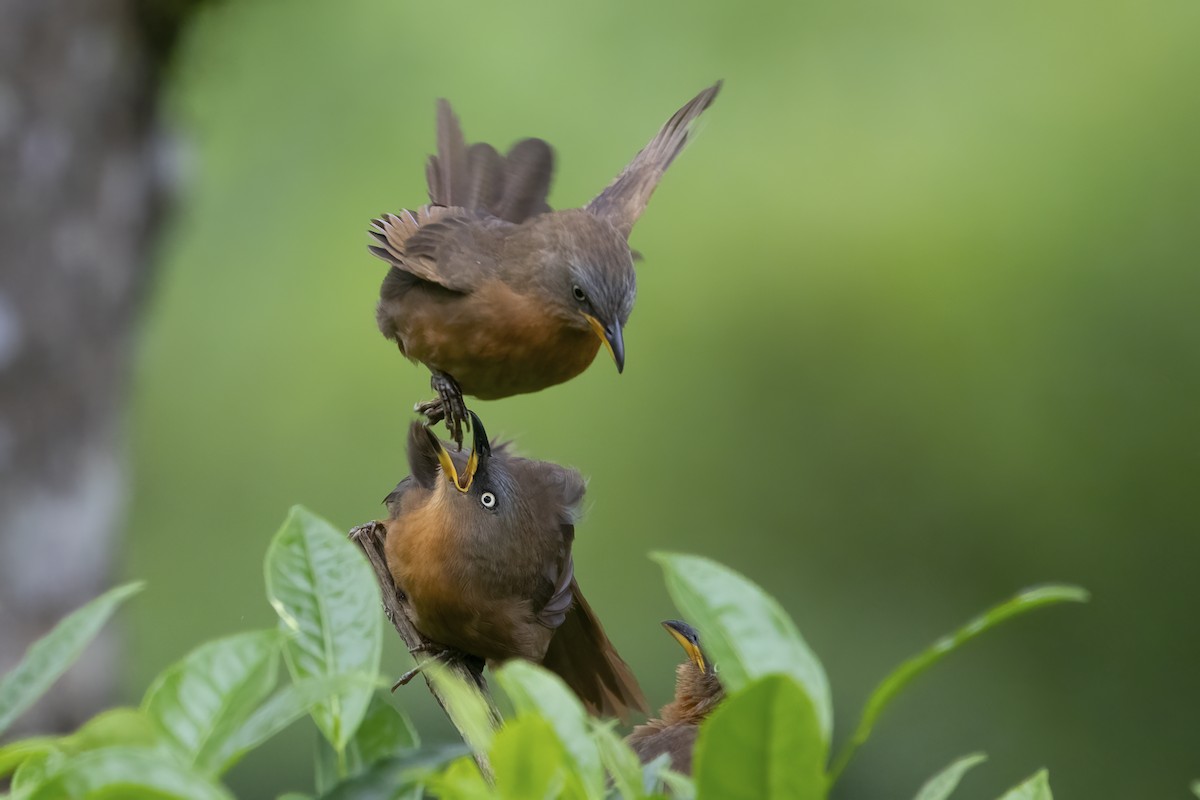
point(613, 339)
point(479, 438)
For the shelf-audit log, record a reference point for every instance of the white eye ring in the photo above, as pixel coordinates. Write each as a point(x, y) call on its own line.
point(488, 499)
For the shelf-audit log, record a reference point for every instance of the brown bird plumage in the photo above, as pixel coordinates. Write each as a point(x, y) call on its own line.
point(697, 693)
point(481, 545)
point(492, 290)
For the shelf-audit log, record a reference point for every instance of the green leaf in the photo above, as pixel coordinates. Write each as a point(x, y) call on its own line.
point(745, 631)
point(533, 689)
point(891, 686)
point(281, 710)
point(33, 771)
point(328, 601)
point(50, 656)
point(762, 743)
point(1196, 788)
point(529, 760)
point(618, 759)
point(126, 772)
point(1036, 788)
point(203, 700)
point(659, 779)
point(678, 785)
point(399, 776)
point(460, 780)
point(465, 706)
point(940, 786)
point(117, 726)
point(13, 754)
point(384, 732)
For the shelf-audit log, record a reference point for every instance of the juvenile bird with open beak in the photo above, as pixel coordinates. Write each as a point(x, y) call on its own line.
point(697, 692)
point(481, 545)
point(496, 293)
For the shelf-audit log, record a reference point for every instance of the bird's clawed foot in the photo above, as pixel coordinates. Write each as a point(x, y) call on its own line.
point(442, 656)
point(372, 530)
point(448, 405)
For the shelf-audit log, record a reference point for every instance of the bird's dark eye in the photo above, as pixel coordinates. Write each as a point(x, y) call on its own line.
point(488, 499)
point(579, 294)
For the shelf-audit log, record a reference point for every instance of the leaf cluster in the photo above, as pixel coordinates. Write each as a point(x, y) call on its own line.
point(772, 737)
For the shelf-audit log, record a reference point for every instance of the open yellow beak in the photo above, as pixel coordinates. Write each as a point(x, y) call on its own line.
point(460, 482)
point(688, 640)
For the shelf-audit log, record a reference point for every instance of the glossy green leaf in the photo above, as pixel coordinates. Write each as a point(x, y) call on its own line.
point(328, 602)
point(285, 707)
point(618, 758)
point(1037, 787)
point(399, 776)
point(126, 772)
point(33, 772)
point(117, 726)
point(745, 631)
point(50, 656)
point(384, 733)
point(892, 685)
point(203, 700)
point(466, 708)
point(460, 780)
point(1196, 788)
point(762, 743)
point(13, 754)
point(529, 760)
point(943, 784)
point(533, 689)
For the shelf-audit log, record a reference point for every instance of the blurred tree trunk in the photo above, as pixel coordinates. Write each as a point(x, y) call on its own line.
point(82, 162)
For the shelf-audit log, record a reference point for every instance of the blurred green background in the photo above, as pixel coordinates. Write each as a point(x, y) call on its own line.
point(917, 327)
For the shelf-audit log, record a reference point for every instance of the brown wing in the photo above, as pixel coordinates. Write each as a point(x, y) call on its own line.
point(624, 200)
point(438, 245)
point(554, 612)
point(649, 742)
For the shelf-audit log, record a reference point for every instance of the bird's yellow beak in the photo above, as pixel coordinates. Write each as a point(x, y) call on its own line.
point(460, 482)
point(689, 640)
point(613, 339)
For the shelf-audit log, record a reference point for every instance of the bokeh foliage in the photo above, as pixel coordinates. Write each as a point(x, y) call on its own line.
point(916, 325)
point(767, 739)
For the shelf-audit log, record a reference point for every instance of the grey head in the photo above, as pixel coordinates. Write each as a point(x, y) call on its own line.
point(583, 268)
point(491, 491)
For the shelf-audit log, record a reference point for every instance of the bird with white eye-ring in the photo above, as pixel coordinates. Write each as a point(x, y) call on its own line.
point(488, 499)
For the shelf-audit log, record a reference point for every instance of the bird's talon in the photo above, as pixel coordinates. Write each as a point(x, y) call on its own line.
point(406, 677)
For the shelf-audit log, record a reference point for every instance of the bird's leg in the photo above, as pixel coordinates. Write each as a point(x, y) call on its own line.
point(448, 405)
point(440, 655)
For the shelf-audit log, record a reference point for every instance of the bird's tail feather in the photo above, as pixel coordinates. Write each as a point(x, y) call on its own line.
point(478, 178)
point(624, 200)
point(581, 654)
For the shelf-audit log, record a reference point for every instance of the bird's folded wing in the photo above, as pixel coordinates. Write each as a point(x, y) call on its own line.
point(439, 244)
point(554, 612)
